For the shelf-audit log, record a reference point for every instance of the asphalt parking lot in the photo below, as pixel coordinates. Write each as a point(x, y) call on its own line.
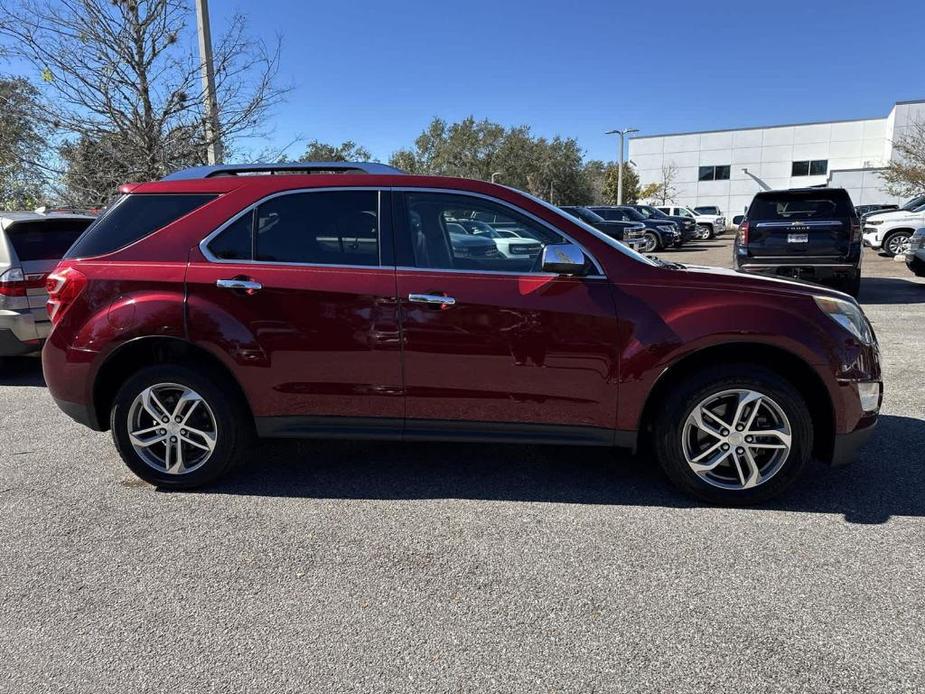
point(381, 567)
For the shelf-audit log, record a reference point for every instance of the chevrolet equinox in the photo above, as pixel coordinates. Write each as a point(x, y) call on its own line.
point(222, 304)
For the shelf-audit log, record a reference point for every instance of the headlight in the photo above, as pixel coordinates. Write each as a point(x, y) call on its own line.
point(873, 222)
point(848, 315)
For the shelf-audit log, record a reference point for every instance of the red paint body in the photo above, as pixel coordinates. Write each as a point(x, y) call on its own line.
point(518, 349)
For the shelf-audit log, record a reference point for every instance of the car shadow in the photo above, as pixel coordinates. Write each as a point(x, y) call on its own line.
point(21, 371)
point(891, 290)
point(887, 481)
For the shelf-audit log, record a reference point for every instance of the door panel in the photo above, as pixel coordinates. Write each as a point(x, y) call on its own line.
point(513, 348)
point(313, 341)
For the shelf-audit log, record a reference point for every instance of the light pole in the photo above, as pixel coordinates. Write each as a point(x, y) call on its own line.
point(496, 173)
point(622, 133)
point(214, 145)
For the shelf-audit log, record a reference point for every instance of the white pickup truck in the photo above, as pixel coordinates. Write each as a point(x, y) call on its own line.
point(890, 231)
point(712, 225)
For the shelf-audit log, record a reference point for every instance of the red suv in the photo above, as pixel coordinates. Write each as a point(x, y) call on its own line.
point(350, 301)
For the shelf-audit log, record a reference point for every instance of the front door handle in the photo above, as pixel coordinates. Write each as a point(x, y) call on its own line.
point(249, 286)
point(439, 299)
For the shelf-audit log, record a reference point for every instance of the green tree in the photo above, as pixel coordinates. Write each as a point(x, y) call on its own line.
point(346, 151)
point(630, 184)
point(552, 169)
point(22, 145)
point(905, 174)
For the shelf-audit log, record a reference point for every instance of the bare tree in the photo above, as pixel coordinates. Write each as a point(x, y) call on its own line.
point(905, 174)
point(664, 190)
point(124, 86)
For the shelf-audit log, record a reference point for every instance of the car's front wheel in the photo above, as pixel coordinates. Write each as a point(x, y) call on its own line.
point(896, 243)
point(650, 242)
point(176, 427)
point(734, 435)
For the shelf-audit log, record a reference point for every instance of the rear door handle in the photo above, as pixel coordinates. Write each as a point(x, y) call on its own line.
point(249, 286)
point(439, 299)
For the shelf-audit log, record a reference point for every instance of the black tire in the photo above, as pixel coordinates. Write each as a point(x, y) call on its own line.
point(670, 423)
point(890, 238)
point(234, 424)
point(652, 242)
point(711, 234)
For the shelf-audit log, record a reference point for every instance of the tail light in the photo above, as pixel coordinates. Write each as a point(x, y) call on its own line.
point(63, 286)
point(743, 234)
point(13, 282)
point(856, 235)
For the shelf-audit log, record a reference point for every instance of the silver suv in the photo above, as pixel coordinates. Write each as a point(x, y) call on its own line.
point(31, 244)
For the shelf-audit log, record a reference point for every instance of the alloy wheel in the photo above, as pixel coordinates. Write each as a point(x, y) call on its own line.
point(897, 243)
point(736, 439)
point(172, 428)
point(649, 243)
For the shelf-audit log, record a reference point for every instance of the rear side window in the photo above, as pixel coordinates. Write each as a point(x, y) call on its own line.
point(319, 228)
point(131, 218)
point(45, 239)
point(801, 206)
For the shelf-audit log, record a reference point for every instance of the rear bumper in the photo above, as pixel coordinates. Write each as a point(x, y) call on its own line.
point(82, 414)
point(846, 446)
point(12, 346)
point(801, 268)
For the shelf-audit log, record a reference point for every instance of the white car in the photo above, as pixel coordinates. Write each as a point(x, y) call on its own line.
point(890, 231)
point(711, 224)
point(510, 244)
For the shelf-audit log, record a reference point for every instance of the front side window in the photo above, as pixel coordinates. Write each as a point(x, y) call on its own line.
point(318, 228)
point(447, 231)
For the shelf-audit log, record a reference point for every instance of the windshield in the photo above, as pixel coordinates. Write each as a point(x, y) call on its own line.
point(914, 204)
point(632, 214)
point(601, 236)
point(684, 212)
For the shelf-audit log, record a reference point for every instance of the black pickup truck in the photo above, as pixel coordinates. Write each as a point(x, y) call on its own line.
point(810, 234)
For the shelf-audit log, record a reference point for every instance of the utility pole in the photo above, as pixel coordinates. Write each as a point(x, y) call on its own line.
point(213, 138)
point(622, 133)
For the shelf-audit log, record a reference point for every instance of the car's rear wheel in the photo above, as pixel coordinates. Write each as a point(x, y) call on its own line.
point(176, 427)
point(734, 435)
point(896, 242)
point(649, 242)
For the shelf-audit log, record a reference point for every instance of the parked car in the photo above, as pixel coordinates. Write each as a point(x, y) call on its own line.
point(31, 244)
point(711, 225)
point(656, 235)
point(507, 241)
point(708, 209)
point(915, 253)
point(687, 225)
point(210, 307)
point(630, 233)
point(864, 210)
point(811, 234)
point(890, 231)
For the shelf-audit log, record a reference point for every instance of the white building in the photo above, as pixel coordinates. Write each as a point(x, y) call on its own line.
point(727, 167)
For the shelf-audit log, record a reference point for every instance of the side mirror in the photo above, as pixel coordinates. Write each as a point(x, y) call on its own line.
point(564, 259)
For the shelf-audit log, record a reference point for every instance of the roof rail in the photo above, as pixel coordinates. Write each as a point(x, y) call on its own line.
point(303, 167)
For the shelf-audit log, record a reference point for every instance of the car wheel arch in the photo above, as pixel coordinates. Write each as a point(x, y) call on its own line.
point(128, 357)
point(798, 371)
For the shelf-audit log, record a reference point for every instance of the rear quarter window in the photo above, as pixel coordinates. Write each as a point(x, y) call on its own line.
point(44, 239)
point(801, 206)
point(131, 218)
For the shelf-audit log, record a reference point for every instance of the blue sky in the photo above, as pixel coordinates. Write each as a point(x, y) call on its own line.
point(377, 72)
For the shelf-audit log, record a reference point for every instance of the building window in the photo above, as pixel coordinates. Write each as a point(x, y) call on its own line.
point(816, 167)
point(714, 173)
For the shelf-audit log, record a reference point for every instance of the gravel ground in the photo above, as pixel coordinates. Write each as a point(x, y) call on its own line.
point(381, 567)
